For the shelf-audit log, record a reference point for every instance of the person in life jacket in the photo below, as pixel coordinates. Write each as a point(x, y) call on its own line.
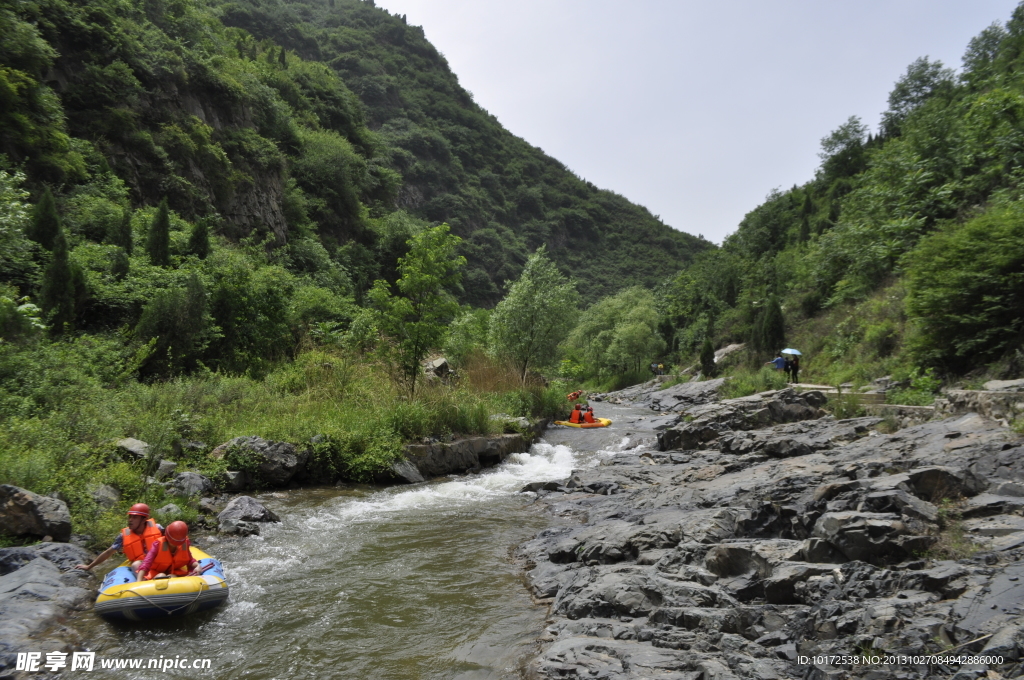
point(588, 416)
point(169, 555)
point(133, 540)
point(573, 396)
point(577, 414)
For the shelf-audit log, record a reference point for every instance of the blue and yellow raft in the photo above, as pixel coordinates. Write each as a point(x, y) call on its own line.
point(123, 597)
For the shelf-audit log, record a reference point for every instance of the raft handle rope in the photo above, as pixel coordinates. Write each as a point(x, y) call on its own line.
point(174, 609)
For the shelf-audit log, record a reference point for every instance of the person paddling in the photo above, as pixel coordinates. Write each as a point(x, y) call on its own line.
point(133, 540)
point(169, 555)
point(577, 414)
point(588, 416)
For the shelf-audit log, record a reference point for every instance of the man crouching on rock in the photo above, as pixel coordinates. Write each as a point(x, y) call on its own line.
point(134, 540)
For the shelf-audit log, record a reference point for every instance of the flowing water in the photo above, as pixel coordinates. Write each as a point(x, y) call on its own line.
point(404, 582)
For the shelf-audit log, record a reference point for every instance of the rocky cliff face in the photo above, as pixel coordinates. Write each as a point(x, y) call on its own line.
point(765, 539)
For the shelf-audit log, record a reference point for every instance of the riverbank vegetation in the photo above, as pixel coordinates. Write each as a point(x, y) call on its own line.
point(223, 219)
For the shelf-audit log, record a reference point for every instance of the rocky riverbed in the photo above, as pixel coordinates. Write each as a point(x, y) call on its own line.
point(762, 538)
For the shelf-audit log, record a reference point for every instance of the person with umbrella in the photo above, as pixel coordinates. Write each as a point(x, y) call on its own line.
point(794, 363)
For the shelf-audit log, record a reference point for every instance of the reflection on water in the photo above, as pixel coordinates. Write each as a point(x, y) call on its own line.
point(404, 582)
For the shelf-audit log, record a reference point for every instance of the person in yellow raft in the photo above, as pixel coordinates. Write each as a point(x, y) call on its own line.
point(169, 555)
point(577, 414)
point(134, 540)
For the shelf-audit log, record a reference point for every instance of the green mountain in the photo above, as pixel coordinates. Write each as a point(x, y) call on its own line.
point(332, 120)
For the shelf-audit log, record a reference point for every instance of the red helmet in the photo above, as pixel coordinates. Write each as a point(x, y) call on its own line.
point(176, 532)
point(139, 509)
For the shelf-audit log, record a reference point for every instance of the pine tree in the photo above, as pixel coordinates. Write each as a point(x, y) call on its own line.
point(805, 229)
point(120, 233)
point(45, 223)
point(281, 59)
point(707, 359)
point(199, 240)
point(58, 290)
point(120, 265)
point(773, 327)
point(158, 242)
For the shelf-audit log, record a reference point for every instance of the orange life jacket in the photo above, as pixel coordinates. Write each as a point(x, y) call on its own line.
point(175, 564)
point(135, 546)
point(589, 417)
point(577, 416)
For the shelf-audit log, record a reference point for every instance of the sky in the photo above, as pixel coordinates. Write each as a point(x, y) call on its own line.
point(696, 110)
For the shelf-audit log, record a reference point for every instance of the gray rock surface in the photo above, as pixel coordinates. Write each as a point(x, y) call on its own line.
point(23, 513)
point(39, 590)
point(106, 496)
point(165, 469)
point(134, 448)
point(190, 484)
point(275, 463)
point(764, 530)
point(247, 509)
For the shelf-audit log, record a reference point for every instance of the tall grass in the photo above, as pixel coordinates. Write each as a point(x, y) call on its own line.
point(64, 405)
point(743, 383)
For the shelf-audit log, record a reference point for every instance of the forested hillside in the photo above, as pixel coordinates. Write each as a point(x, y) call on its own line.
point(905, 251)
point(301, 120)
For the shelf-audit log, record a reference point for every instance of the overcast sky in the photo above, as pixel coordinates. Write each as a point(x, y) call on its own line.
point(694, 109)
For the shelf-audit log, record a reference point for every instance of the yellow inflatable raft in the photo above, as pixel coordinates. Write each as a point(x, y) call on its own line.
point(123, 597)
point(601, 422)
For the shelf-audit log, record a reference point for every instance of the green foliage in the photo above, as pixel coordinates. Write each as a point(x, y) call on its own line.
point(535, 315)
point(45, 224)
point(707, 359)
point(618, 334)
point(744, 383)
point(966, 290)
point(19, 319)
point(770, 331)
point(924, 386)
point(158, 239)
point(120, 233)
point(62, 282)
point(467, 334)
point(177, 327)
point(414, 319)
point(199, 240)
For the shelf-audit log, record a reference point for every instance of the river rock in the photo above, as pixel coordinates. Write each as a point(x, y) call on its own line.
point(275, 463)
point(190, 484)
point(239, 527)
point(35, 598)
point(23, 513)
point(247, 509)
point(741, 551)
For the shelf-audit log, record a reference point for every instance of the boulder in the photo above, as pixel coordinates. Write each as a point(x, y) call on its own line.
point(247, 509)
point(274, 463)
point(406, 472)
point(1005, 385)
point(165, 469)
point(23, 513)
point(106, 496)
point(133, 448)
point(168, 511)
point(190, 484)
point(239, 528)
point(862, 535)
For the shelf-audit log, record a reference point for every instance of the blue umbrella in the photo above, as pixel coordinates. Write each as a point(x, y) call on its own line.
point(792, 351)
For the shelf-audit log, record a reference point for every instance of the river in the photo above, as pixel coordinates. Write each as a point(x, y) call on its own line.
point(405, 582)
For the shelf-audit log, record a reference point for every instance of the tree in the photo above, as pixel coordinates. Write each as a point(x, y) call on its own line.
point(45, 223)
point(199, 240)
point(842, 152)
point(923, 80)
point(535, 315)
point(58, 290)
point(772, 327)
point(178, 325)
point(414, 320)
point(120, 233)
point(158, 241)
point(707, 359)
